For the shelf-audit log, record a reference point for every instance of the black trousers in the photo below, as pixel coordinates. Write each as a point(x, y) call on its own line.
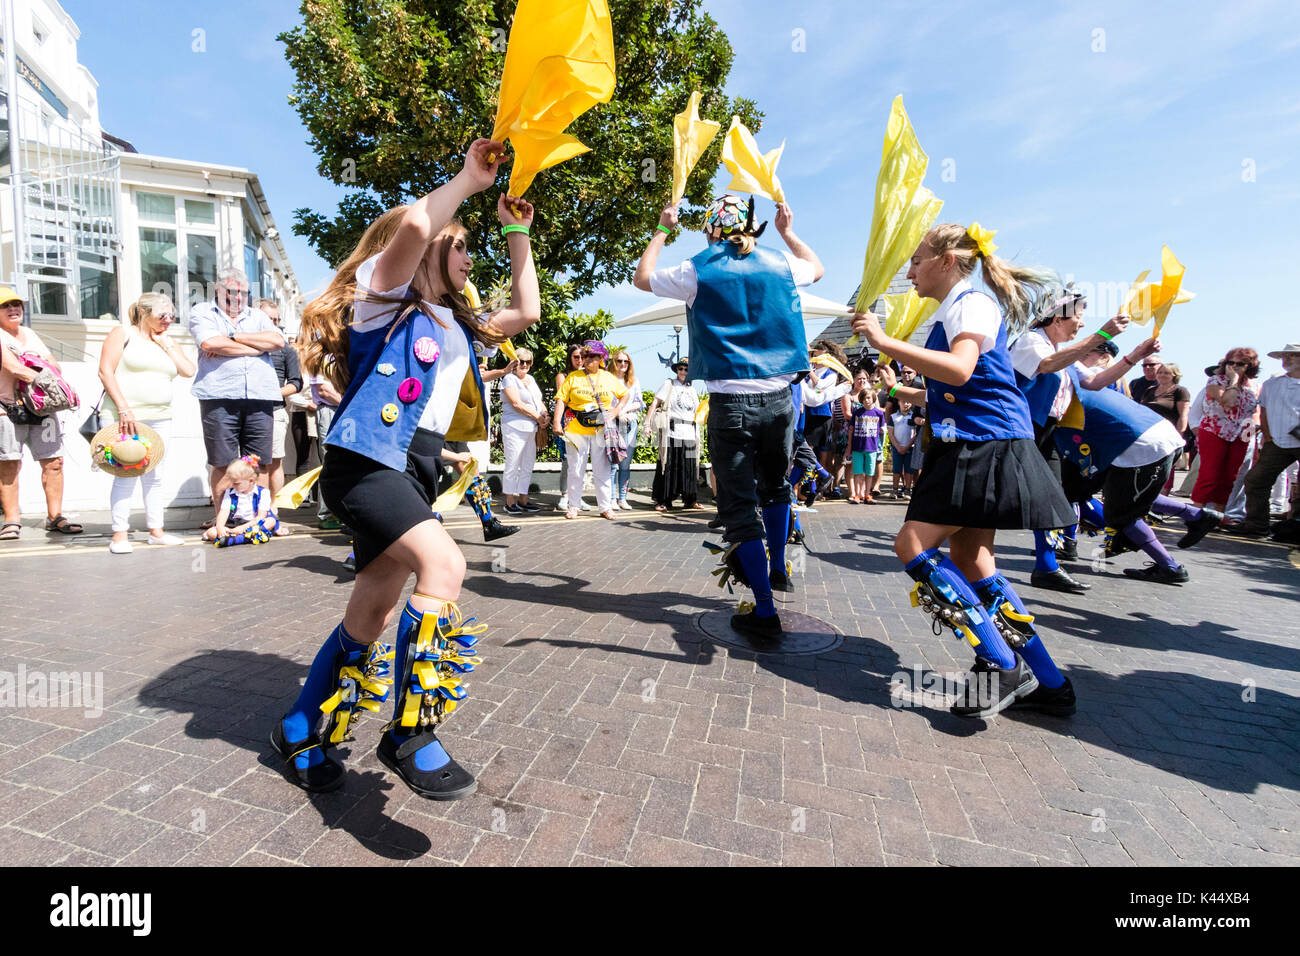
point(750, 447)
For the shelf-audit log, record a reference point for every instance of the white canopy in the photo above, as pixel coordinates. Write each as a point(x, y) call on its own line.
point(673, 311)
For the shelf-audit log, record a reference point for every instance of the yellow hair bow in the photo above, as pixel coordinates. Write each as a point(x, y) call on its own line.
point(983, 239)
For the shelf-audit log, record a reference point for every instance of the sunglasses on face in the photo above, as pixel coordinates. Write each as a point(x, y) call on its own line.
point(622, 362)
point(1235, 363)
point(523, 362)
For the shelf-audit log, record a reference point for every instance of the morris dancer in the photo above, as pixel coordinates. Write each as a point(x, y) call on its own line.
point(981, 471)
point(395, 329)
point(748, 345)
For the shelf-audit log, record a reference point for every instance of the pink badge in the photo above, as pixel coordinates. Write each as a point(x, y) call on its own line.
point(1078, 439)
point(410, 389)
point(426, 350)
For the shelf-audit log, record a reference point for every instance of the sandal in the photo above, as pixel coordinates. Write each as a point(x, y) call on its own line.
point(319, 778)
point(62, 525)
point(11, 531)
point(660, 508)
point(608, 515)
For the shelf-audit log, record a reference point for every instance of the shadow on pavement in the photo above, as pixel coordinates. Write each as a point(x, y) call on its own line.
point(236, 696)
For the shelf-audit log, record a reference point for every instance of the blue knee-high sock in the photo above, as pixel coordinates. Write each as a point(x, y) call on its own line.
point(479, 496)
point(996, 589)
point(321, 678)
point(794, 520)
point(1172, 507)
point(941, 572)
point(1140, 533)
point(776, 522)
point(1044, 554)
point(431, 756)
point(754, 561)
point(1092, 511)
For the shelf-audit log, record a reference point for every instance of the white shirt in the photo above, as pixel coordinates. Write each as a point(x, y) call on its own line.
point(974, 315)
point(681, 402)
point(526, 393)
point(902, 424)
point(681, 282)
point(1159, 441)
point(1028, 353)
point(453, 362)
point(1280, 399)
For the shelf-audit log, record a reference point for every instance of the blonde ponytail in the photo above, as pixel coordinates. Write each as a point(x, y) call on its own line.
point(151, 303)
point(1015, 287)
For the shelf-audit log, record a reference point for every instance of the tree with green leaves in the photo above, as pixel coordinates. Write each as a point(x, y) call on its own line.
point(394, 91)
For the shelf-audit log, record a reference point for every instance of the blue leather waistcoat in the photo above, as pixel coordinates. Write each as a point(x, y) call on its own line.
point(1112, 422)
point(747, 318)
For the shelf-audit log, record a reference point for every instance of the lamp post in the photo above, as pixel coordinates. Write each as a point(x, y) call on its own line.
point(677, 349)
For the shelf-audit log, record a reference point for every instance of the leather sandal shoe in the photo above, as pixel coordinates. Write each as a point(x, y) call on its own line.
point(449, 782)
point(319, 778)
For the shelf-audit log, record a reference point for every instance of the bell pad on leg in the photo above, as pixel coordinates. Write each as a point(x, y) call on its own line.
point(363, 683)
point(440, 651)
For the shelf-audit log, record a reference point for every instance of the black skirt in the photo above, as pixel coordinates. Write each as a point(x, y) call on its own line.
point(677, 476)
point(377, 504)
point(1003, 484)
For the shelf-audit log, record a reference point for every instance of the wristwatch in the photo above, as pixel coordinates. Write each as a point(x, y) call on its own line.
point(232, 337)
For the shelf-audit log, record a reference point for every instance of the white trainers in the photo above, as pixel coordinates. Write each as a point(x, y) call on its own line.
point(166, 539)
point(120, 547)
point(563, 503)
point(624, 505)
point(584, 506)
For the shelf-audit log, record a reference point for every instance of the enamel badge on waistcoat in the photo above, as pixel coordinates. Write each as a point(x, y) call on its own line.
point(379, 417)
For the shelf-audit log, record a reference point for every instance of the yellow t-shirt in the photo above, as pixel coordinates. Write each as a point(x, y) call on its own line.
point(576, 393)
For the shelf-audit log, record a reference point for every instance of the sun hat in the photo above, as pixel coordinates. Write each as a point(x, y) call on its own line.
point(1292, 348)
point(8, 295)
point(126, 456)
point(682, 362)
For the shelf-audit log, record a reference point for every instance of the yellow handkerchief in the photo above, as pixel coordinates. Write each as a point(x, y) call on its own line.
point(751, 171)
point(691, 137)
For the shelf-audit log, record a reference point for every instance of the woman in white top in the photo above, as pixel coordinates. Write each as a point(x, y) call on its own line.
point(522, 413)
point(679, 441)
point(137, 365)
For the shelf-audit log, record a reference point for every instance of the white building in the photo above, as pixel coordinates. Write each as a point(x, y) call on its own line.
point(99, 223)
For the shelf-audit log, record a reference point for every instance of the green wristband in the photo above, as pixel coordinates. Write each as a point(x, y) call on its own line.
point(666, 230)
point(1105, 336)
point(892, 391)
point(506, 230)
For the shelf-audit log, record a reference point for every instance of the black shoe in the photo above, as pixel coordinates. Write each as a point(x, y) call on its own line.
point(757, 628)
point(1160, 574)
point(530, 508)
point(796, 536)
point(716, 523)
point(495, 529)
point(1057, 580)
point(320, 778)
point(991, 689)
point(780, 581)
point(1069, 551)
point(512, 509)
point(1198, 529)
point(350, 562)
point(1053, 701)
point(449, 782)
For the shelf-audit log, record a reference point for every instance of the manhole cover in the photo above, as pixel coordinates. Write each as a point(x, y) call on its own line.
point(803, 635)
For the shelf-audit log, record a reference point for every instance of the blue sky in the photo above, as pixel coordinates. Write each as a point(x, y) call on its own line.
point(1087, 134)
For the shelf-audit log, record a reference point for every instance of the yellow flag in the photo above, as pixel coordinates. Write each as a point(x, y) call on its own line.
point(1153, 300)
point(834, 364)
point(559, 64)
point(702, 411)
point(295, 492)
point(904, 208)
point(450, 498)
point(691, 137)
point(904, 313)
point(751, 171)
point(472, 295)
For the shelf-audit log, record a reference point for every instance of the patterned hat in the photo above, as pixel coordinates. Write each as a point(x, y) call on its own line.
point(727, 213)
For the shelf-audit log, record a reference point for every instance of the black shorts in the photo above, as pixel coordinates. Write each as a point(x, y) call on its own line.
point(233, 427)
point(1003, 484)
point(377, 504)
point(1130, 492)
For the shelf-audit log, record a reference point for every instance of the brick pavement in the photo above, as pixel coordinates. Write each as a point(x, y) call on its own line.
point(606, 730)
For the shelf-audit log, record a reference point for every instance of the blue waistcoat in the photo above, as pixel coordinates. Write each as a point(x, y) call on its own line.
point(1040, 392)
point(990, 406)
point(796, 395)
point(380, 361)
point(747, 319)
point(1111, 423)
point(823, 410)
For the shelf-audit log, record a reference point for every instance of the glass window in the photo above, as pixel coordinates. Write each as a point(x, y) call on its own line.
point(201, 262)
point(98, 292)
point(158, 261)
point(199, 211)
point(156, 207)
point(252, 268)
point(49, 298)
